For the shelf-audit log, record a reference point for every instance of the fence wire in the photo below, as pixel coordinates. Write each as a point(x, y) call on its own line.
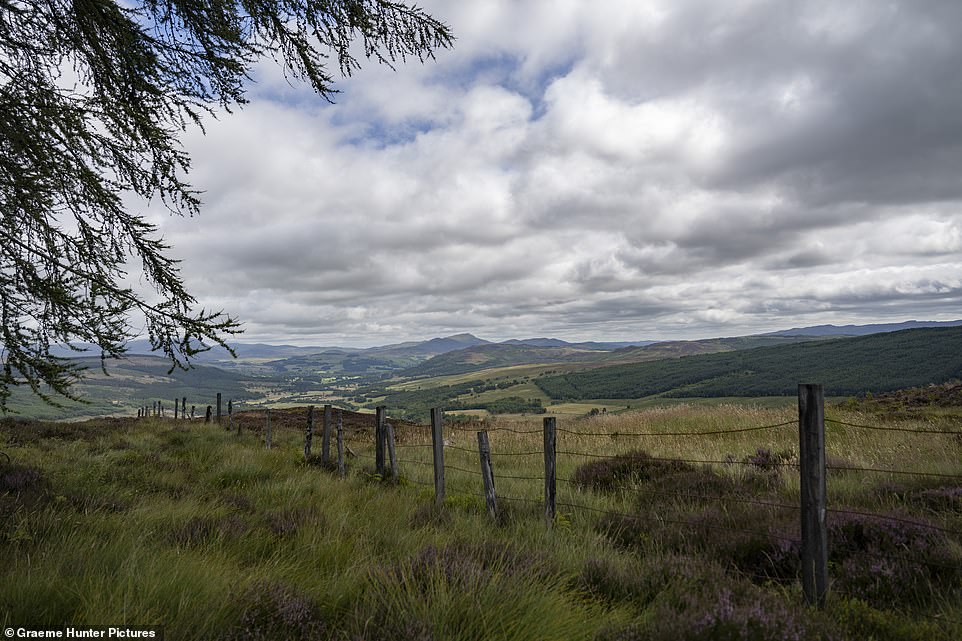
point(701, 433)
point(879, 428)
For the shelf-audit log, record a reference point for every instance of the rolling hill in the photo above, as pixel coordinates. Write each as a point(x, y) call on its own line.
point(133, 382)
point(846, 366)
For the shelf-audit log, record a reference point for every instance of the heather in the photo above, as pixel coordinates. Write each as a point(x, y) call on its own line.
point(658, 536)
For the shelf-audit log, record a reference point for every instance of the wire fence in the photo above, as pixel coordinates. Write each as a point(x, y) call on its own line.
point(637, 499)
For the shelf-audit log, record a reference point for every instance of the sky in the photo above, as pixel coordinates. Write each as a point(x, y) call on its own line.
point(617, 170)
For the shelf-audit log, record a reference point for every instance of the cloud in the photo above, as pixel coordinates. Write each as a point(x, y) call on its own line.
point(616, 170)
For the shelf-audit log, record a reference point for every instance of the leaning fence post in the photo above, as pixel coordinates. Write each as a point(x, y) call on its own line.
point(392, 456)
point(379, 440)
point(326, 437)
point(309, 434)
point(487, 474)
point(812, 487)
point(437, 442)
point(267, 431)
point(550, 460)
point(340, 445)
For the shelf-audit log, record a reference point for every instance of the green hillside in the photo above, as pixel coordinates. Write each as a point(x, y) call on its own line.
point(132, 382)
point(846, 366)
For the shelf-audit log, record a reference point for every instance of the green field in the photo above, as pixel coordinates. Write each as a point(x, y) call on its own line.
point(212, 536)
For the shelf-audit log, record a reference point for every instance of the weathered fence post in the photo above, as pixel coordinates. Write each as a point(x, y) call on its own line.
point(392, 456)
point(192, 412)
point(811, 455)
point(437, 441)
point(340, 445)
point(160, 404)
point(326, 437)
point(218, 408)
point(183, 409)
point(207, 417)
point(268, 429)
point(379, 440)
point(309, 434)
point(550, 481)
point(176, 408)
point(487, 474)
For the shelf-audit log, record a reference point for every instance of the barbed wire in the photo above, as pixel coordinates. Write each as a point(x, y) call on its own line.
point(400, 445)
point(705, 497)
point(534, 453)
point(898, 519)
point(679, 460)
point(494, 429)
point(413, 462)
point(675, 521)
point(904, 559)
point(880, 470)
point(705, 433)
point(460, 449)
point(893, 429)
point(461, 469)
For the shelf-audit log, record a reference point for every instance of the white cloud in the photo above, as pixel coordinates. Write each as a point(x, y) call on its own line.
point(614, 170)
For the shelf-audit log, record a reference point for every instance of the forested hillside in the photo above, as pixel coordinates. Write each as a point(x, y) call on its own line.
point(850, 366)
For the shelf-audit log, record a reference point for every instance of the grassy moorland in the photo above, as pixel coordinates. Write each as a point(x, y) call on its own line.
point(215, 537)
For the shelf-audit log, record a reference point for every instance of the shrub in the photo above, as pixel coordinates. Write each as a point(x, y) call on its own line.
point(859, 620)
point(277, 611)
point(885, 561)
point(611, 473)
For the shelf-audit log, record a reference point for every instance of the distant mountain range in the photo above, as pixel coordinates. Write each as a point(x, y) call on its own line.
point(264, 373)
point(861, 330)
point(421, 350)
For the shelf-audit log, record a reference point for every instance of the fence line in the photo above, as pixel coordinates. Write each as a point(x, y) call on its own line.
point(811, 466)
point(879, 428)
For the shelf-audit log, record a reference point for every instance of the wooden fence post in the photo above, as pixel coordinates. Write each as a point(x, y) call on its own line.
point(326, 437)
point(379, 440)
point(812, 486)
point(230, 416)
point(207, 417)
point(268, 430)
point(183, 409)
point(192, 412)
point(550, 481)
point(340, 445)
point(437, 441)
point(218, 408)
point(487, 474)
point(392, 456)
point(309, 434)
point(176, 415)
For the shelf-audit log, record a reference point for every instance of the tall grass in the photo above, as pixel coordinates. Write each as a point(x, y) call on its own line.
point(215, 537)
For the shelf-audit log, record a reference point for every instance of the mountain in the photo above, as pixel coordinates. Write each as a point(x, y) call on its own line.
point(861, 330)
point(430, 347)
point(878, 362)
point(557, 342)
point(480, 357)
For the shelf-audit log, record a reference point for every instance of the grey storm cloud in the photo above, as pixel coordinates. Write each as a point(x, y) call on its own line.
point(620, 170)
